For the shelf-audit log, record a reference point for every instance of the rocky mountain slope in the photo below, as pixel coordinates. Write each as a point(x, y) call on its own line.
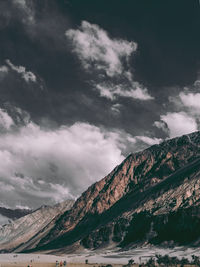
point(26, 232)
point(153, 196)
point(149, 192)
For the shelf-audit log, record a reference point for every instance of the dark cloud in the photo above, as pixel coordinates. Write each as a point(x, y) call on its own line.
point(166, 33)
point(118, 73)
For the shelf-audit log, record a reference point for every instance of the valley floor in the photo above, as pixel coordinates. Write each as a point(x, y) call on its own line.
point(43, 264)
point(95, 258)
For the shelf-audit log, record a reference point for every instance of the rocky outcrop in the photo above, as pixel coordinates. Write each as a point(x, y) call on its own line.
point(172, 206)
point(159, 180)
point(26, 232)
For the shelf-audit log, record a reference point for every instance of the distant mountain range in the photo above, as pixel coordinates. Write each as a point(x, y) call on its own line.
point(7, 215)
point(152, 197)
point(27, 231)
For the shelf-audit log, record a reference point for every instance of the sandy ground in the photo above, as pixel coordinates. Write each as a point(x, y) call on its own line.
point(95, 258)
point(53, 265)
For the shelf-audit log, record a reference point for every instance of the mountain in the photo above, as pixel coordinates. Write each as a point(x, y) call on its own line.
point(152, 197)
point(7, 215)
point(26, 232)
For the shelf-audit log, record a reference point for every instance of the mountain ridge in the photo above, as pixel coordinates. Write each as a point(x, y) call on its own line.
point(155, 164)
point(148, 191)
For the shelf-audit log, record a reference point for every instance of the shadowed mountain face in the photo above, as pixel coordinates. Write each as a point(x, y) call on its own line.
point(152, 196)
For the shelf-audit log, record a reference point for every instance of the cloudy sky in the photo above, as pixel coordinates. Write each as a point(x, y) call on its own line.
point(85, 83)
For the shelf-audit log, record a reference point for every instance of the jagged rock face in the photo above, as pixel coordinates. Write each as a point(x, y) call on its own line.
point(26, 232)
point(160, 180)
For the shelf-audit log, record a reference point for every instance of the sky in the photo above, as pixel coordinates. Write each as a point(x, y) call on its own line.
point(85, 83)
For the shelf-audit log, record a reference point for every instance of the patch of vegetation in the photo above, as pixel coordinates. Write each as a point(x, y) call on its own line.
point(168, 261)
point(182, 227)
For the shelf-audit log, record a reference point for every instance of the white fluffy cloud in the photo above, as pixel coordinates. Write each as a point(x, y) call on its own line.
point(190, 100)
point(55, 164)
point(96, 49)
point(111, 91)
point(21, 3)
point(115, 108)
point(108, 57)
point(5, 120)
point(4, 69)
point(49, 165)
point(25, 7)
point(183, 117)
point(20, 73)
point(3, 72)
point(28, 76)
point(177, 124)
point(148, 140)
